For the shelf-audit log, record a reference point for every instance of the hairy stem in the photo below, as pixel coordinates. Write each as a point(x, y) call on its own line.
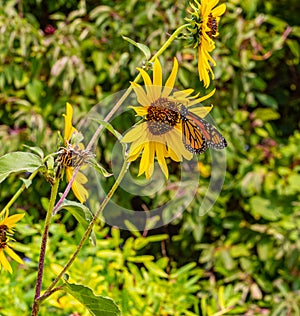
point(36, 304)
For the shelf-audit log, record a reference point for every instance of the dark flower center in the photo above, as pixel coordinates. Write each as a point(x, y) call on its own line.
point(213, 25)
point(162, 116)
point(3, 237)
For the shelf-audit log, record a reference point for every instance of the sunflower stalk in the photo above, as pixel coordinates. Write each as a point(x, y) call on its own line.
point(36, 303)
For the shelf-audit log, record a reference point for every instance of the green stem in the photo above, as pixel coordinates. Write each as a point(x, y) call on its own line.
point(88, 231)
point(36, 303)
point(17, 194)
point(169, 41)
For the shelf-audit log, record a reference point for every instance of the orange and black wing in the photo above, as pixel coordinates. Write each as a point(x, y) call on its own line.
point(192, 136)
point(212, 136)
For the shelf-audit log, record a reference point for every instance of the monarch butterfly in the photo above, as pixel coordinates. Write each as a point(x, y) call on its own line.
point(198, 134)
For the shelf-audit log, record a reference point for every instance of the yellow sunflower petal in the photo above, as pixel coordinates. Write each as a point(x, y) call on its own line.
point(147, 161)
point(135, 133)
point(199, 100)
point(4, 262)
point(202, 67)
point(183, 93)
point(150, 169)
point(157, 73)
point(148, 85)
point(201, 111)
point(144, 163)
point(161, 159)
point(133, 155)
point(174, 144)
point(78, 189)
point(211, 4)
point(219, 10)
point(141, 95)
point(157, 79)
point(140, 110)
point(169, 85)
point(69, 129)
point(13, 255)
point(137, 147)
point(12, 220)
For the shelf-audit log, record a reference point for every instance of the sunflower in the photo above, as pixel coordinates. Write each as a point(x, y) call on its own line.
point(203, 30)
point(6, 231)
point(72, 155)
point(160, 135)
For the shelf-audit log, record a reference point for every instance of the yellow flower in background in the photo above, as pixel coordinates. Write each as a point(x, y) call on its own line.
point(204, 29)
point(6, 232)
point(160, 135)
point(71, 155)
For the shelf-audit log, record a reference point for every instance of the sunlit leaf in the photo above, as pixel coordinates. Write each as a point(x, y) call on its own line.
point(82, 214)
point(18, 162)
point(97, 305)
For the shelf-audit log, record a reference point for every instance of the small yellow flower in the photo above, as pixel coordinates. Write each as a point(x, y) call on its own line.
point(160, 135)
point(70, 131)
point(6, 231)
point(203, 30)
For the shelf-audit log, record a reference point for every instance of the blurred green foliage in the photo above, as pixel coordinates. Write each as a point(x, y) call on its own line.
point(243, 256)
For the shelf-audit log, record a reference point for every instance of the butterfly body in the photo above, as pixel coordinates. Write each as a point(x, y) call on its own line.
point(198, 134)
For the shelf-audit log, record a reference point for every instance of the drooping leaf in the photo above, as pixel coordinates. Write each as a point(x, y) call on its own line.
point(100, 169)
point(81, 213)
point(143, 48)
point(18, 162)
point(97, 305)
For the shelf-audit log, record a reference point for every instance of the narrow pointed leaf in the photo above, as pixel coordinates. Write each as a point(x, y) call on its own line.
point(143, 48)
point(101, 170)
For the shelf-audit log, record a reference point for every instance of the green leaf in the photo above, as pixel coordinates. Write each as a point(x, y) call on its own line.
point(184, 270)
point(101, 170)
point(261, 207)
point(266, 114)
point(82, 214)
point(97, 305)
point(34, 90)
point(143, 48)
point(155, 269)
point(18, 162)
point(267, 100)
point(139, 259)
point(132, 228)
point(36, 150)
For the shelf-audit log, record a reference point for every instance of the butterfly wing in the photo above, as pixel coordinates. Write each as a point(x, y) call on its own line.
point(211, 135)
point(192, 136)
